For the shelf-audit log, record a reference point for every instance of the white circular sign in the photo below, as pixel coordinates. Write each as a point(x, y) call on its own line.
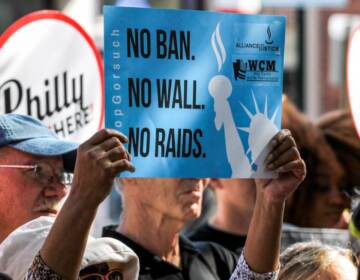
point(51, 70)
point(353, 76)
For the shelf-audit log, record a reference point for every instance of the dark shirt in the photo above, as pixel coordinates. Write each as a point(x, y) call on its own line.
point(199, 260)
point(232, 242)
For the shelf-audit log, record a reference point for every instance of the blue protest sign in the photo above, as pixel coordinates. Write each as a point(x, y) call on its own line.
point(197, 93)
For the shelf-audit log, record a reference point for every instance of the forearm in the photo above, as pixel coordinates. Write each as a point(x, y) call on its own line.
point(64, 247)
point(262, 248)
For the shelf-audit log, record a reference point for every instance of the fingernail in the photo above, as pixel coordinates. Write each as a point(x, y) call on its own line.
point(269, 158)
point(273, 142)
point(280, 169)
point(270, 166)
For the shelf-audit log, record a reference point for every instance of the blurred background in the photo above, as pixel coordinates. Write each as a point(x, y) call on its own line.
point(315, 53)
point(316, 37)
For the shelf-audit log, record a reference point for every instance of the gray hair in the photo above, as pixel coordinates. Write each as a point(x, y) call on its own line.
point(305, 260)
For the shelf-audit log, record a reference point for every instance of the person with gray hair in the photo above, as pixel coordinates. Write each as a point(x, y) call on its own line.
point(313, 260)
point(43, 235)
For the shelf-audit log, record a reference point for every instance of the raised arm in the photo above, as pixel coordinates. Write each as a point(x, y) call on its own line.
point(262, 248)
point(98, 161)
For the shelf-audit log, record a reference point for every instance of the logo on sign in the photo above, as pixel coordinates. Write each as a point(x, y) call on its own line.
point(269, 41)
point(241, 67)
point(253, 44)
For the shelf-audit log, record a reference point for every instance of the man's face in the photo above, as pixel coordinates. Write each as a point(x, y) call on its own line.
point(23, 196)
point(179, 199)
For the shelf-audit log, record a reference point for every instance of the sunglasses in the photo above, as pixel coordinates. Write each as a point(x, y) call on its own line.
point(111, 275)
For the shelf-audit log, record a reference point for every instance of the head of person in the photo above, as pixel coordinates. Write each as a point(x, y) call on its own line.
point(313, 260)
point(177, 199)
point(104, 258)
point(320, 200)
point(340, 132)
point(33, 161)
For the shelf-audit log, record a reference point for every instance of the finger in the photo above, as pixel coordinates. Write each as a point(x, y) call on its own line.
point(117, 153)
point(278, 139)
point(297, 167)
point(287, 143)
point(104, 134)
point(288, 156)
point(121, 166)
point(96, 153)
point(110, 143)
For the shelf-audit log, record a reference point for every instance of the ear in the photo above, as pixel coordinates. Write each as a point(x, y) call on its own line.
point(215, 184)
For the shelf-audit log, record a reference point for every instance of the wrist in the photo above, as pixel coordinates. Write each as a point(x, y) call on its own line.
point(79, 202)
point(269, 201)
point(268, 205)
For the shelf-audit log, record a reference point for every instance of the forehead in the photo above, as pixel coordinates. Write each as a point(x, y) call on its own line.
point(12, 156)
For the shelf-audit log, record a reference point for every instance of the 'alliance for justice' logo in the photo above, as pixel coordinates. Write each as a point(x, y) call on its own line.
point(269, 41)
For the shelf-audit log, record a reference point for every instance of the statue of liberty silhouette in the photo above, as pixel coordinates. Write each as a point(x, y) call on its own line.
point(220, 89)
point(260, 131)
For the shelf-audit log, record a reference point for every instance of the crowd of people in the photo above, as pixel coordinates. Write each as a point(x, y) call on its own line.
point(50, 190)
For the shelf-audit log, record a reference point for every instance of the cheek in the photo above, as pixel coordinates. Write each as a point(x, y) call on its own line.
point(319, 202)
point(316, 210)
point(18, 208)
point(28, 196)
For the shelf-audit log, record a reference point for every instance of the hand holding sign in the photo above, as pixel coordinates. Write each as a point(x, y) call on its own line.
point(284, 158)
point(99, 160)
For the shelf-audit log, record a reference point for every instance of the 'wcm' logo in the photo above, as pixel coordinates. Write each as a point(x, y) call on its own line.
point(252, 65)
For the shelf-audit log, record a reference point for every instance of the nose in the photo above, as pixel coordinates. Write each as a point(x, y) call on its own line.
point(338, 198)
point(55, 190)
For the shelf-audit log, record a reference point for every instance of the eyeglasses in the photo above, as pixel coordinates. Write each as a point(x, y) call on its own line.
point(111, 275)
point(44, 173)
